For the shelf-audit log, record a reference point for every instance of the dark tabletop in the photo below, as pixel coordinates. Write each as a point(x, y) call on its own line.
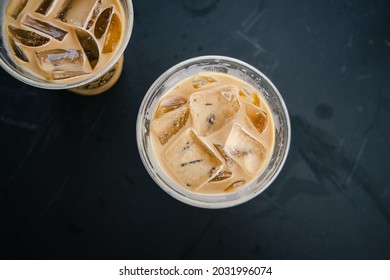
point(72, 185)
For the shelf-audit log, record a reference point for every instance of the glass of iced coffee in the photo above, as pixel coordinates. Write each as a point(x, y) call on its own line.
point(213, 132)
point(70, 44)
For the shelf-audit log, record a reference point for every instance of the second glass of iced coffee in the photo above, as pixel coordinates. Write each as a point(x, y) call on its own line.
point(71, 44)
point(213, 131)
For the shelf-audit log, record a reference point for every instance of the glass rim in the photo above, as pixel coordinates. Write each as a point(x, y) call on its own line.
point(144, 154)
point(92, 77)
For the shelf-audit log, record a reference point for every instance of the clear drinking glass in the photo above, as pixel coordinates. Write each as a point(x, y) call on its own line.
point(92, 84)
point(246, 73)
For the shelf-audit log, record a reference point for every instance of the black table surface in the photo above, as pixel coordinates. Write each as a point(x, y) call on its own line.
point(72, 184)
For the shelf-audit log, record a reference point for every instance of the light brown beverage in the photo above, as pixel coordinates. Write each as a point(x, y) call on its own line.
point(212, 133)
point(66, 41)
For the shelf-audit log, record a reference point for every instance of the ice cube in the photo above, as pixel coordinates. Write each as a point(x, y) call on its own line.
point(66, 6)
point(221, 150)
point(89, 46)
point(102, 23)
point(76, 12)
point(250, 96)
point(44, 27)
point(201, 81)
point(191, 161)
point(223, 175)
point(249, 153)
point(212, 109)
point(113, 35)
point(61, 75)
point(27, 38)
point(94, 16)
point(234, 186)
point(257, 116)
point(44, 7)
point(18, 51)
point(61, 59)
point(170, 123)
point(170, 103)
point(19, 8)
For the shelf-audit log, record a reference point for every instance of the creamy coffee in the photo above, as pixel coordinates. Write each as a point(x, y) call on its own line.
point(212, 133)
point(63, 41)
